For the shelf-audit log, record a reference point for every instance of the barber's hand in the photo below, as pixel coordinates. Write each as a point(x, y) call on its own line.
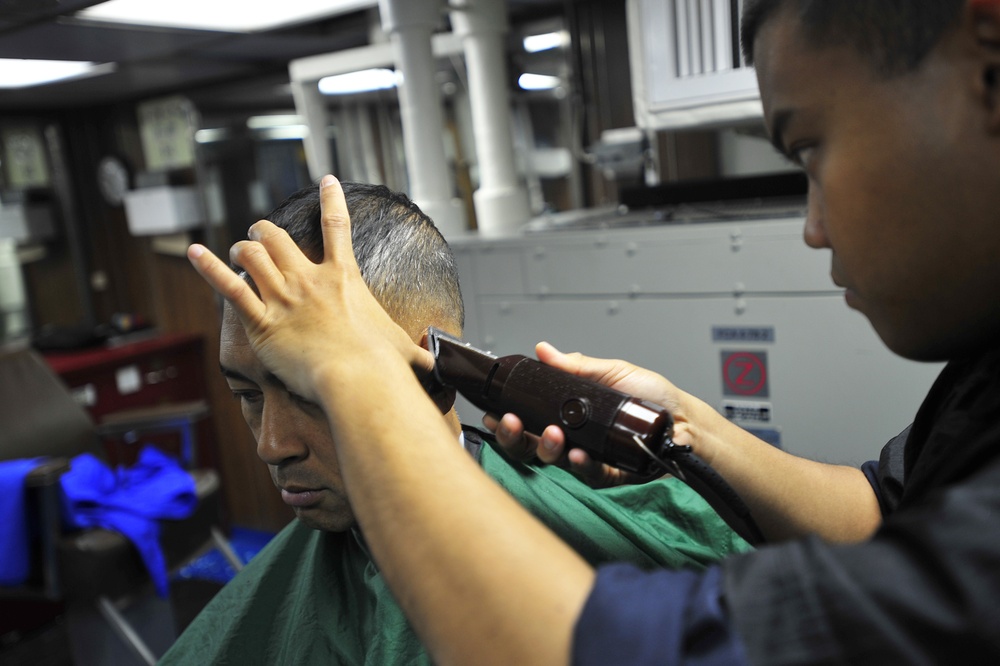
point(308, 316)
point(550, 446)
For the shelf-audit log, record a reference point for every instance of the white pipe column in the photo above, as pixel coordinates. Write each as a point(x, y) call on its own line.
point(310, 105)
point(14, 322)
point(501, 201)
point(410, 24)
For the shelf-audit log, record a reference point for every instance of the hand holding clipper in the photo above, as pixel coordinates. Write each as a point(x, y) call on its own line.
point(613, 427)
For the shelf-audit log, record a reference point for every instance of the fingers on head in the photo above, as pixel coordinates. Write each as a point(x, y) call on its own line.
point(280, 246)
point(264, 231)
point(227, 283)
point(218, 275)
point(335, 220)
point(255, 259)
point(247, 254)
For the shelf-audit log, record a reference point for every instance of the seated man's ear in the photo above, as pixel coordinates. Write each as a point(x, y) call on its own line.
point(443, 396)
point(423, 338)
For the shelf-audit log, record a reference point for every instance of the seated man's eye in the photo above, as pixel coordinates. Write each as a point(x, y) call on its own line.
point(247, 397)
point(303, 402)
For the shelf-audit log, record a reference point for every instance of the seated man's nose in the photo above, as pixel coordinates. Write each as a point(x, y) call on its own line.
point(277, 442)
point(274, 451)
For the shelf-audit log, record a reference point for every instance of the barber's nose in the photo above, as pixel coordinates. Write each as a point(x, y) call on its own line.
point(814, 232)
point(278, 440)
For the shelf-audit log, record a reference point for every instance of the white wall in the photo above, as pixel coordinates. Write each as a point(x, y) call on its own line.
point(653, 296)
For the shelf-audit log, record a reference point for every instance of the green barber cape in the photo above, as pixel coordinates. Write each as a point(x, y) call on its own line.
point(312, 597)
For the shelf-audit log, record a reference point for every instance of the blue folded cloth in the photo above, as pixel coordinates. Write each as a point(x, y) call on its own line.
point(15, 547)
point(130, 501)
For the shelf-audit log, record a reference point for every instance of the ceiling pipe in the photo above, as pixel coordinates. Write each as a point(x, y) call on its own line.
point(410, 25)
point(501, 200)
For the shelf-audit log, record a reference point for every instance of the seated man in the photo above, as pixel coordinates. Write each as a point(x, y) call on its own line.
point(314, 595)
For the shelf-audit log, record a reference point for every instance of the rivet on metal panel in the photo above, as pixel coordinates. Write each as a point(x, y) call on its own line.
point(539, 252)
point(600, 241)
point(739, 289)
point(634, 290)
point(735, 239)
point(543, 290)
point(631, 249)
point(741, 306)
point(505, 308)
point(614, 308)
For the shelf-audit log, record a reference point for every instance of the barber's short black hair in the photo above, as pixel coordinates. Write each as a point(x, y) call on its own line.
point(893, 35)
point(404, 259)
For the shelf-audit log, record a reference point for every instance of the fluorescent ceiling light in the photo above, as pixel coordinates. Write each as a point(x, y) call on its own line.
point(224, 15)
point(211, 135)
point(546, 41)
point(274, 120)
point(17, 73)
point(538, 82)
point(283, 133)
point(366, 80)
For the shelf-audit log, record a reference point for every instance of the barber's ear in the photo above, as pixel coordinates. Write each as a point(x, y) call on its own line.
point(985, 17)
point(990, 94)
point(991, 80)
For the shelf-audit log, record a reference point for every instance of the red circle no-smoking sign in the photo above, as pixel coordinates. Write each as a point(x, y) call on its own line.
point(745, 373)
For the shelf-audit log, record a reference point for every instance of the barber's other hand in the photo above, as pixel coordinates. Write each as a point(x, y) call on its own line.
point(550, 446)
point(307, 316)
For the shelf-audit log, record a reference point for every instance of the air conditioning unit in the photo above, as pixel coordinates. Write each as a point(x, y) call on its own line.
point(687, 70)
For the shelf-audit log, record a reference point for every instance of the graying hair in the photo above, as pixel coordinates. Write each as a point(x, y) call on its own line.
point(404, 259)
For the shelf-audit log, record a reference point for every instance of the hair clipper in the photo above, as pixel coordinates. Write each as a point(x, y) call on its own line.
point(613, 427)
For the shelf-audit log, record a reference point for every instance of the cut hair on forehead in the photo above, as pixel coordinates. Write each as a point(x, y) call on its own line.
point(893, 36)
point(404, 259)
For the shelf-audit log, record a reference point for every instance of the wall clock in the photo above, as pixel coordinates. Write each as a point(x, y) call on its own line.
point(113, 180)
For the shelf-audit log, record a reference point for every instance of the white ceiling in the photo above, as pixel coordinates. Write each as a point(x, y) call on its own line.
point(215, 68)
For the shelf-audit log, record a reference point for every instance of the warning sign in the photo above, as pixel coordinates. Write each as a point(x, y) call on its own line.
point(744, 374)
point(747, 412)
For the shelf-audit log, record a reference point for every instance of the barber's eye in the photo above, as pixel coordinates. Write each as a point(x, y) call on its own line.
point(802, 156)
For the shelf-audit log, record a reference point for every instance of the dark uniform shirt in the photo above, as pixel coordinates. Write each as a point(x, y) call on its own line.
point(925, 589)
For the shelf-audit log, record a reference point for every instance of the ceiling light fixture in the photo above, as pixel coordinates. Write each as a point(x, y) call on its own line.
point(538, 82)
point(17, 73)
point(226, 15)
point(283, 133)
point(211, 135)
point(546, 41)
point(274, 120)
point(366, 80)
